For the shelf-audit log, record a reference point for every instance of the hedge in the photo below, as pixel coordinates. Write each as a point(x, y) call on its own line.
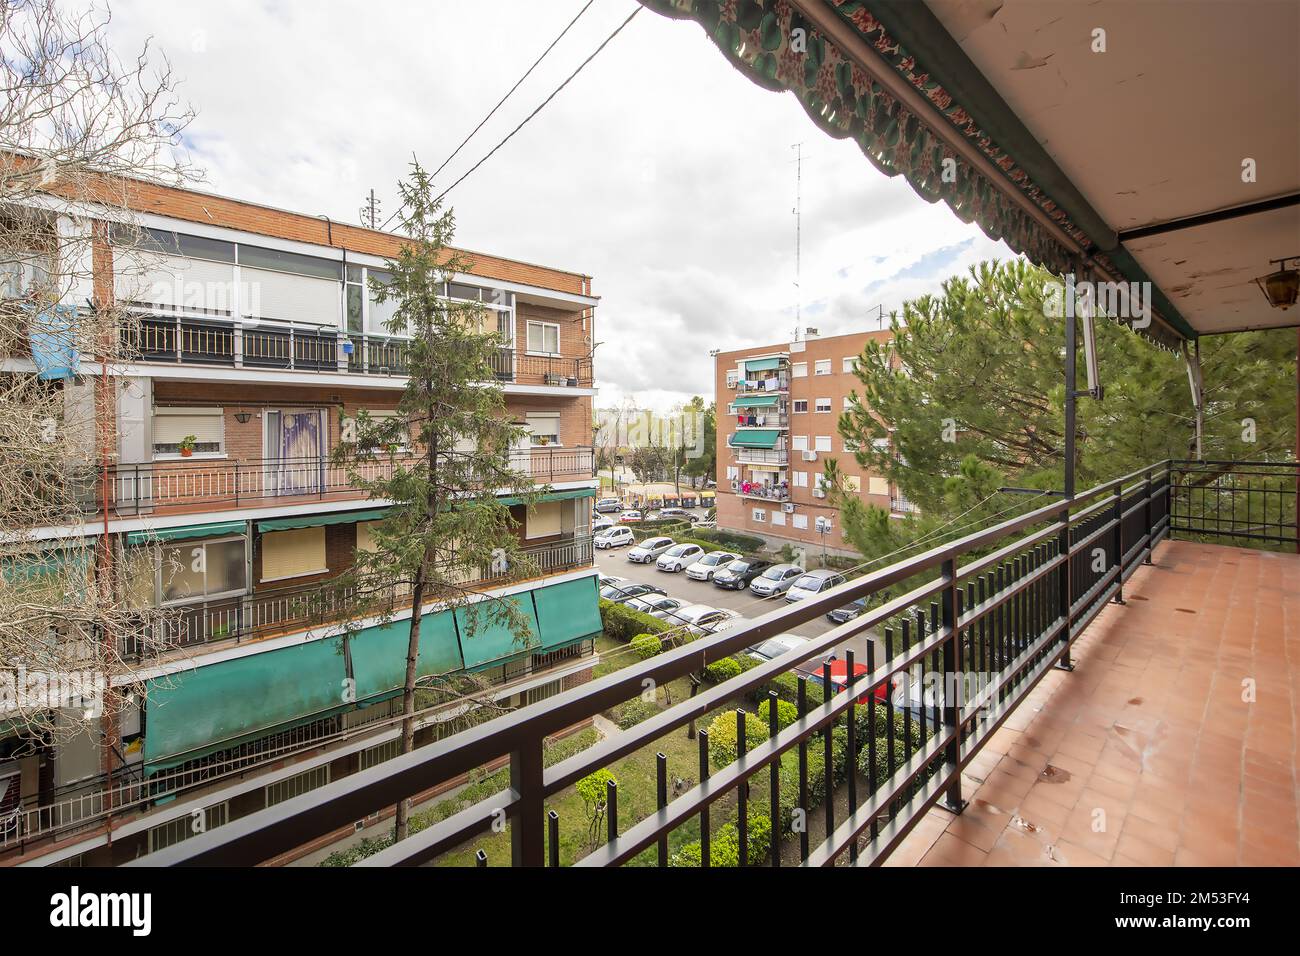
point(786, 713)
point(622, 623)
point(723, 670)
point(724, 845)
point(722, 737)
point(646, 646)
point(634, 711)
point(729, 539)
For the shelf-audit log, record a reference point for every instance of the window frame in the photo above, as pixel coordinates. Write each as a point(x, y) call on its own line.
point(528, 336)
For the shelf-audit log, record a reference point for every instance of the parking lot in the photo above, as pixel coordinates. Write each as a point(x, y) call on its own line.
point(615, 562)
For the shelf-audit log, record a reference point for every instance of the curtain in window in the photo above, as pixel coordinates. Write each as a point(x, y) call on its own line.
point(294, 440)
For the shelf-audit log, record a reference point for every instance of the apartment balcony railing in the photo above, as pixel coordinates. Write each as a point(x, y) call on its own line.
point(994, 612)
point(765, 420)
point(761, 456)
point(201, 484)
point(772, 383)
point(228, 343)
point(766, 492)
point(900, 505)
point(283, 610)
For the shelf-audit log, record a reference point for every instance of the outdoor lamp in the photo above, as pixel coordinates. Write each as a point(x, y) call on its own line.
point(1280, 287)
point(242, 416)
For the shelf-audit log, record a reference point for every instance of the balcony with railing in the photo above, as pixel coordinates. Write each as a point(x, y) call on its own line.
point(998, 618)
point(189, 485)
point(299, 347)
point(761, 456)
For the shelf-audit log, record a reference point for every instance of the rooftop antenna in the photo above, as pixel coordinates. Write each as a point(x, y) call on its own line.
point(370, 212)
point(798, 236)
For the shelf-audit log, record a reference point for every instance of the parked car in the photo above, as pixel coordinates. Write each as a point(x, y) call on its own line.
point(737, 575)
point(776, 646)
point(615, 537)
point(649, 549)
point(622, 593)
point(703, 569)
point(679, 557)
point(631, 516)
point(664, 608)
point(608, 579)
point(609, 506)
point(703, 618)
point(601, 524)
point(848, 612)
point(681, 513)
point(840, 675)
point(775, 580)
point(813, 583)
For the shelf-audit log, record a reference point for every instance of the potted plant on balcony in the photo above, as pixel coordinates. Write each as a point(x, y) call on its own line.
point(187, 445)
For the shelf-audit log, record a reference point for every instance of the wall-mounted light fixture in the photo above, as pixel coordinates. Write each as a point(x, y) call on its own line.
point(242, 416)
point(1281, 287)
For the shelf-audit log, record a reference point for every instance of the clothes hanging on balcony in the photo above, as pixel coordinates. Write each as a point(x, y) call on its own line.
point(53, 337)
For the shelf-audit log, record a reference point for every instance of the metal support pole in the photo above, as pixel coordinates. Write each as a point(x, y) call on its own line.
point(953, 683)
point(527, 832)
point(1119, 542)
point(1071, 400)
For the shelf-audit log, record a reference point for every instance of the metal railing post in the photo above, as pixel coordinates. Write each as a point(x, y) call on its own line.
point(1119, 542)
point(1146, 513)
point(528, 829)
point(953, 685)
point(1065, 589)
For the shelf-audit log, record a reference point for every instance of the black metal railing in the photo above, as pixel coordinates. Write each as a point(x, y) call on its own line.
point(1246, 501)
point(981, 621)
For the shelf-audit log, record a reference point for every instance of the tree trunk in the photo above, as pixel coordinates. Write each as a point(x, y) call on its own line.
point(408, 697)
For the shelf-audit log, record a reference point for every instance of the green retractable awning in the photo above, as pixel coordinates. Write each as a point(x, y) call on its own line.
point(567, 612)
point(187, 531)
point(556, 496)
point(755, 438)
point(756, 401)
point(492, 642)
point(379, 653)
point(762, 365)
point(318, 521)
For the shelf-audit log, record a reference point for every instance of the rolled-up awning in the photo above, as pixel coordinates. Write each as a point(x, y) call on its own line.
point(755, 438)
point(320, 520)
point(756, 401)
point(761, 365)
point(185, 531)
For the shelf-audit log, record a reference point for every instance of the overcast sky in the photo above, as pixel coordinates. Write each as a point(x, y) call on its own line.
point(660, 170)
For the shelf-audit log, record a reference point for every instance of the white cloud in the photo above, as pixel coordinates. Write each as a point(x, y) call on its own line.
point(660, 171)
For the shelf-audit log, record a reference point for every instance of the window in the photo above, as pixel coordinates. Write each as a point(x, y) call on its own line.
point(877, 486)
point(799, 370)
point(800, 406)
point(733, 472)
point(850, 363)
point(293, 554)
point(760, 515)
point(197, 569)
point(801, 479)
point(294, 263)
point(297, 785)
point(820, 484)
point(800, 521)
point(778, 517)
point(823, 367)
point(182, 828)
point(850, 446)
point(848, 402)
point(543, 520)
point(171, 426)
point(380, 418)
point(544, 427)
point(799, 443)
point(374, 756)
point(732, 378)
point(823, 443)
point(823, 405)
point(544, 337)
point(852, 483)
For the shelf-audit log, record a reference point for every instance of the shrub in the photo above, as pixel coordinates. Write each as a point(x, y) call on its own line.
point(634, 711)
point(880, 772)
point(724, 845)
point(787, 688)
point(722, 670)
point(729, 539)
point(592, 789)
point(722, 737)
point(646, 646)
point(786, 713)
point(622, 623)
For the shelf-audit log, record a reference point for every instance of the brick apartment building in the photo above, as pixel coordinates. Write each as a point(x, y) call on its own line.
point(256, 334)
point(778, 409)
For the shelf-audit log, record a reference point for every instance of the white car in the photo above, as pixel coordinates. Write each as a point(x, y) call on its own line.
point(679, 557)
point(702, 570)
point(704, 618)
point(615, 537)
point(631, 514)
point(608, 579)
point(812, 584)
point(657, 605)
point(776, 646)
point(775, 580)
point(600, 524)
point(649, 549)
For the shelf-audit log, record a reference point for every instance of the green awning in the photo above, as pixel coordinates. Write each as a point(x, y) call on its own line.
point(555, 496)
point(211, 707)
point(492, 641)
point(756, 401)
point(567, 612)
point(755, 438)
point(186, 531)
point(320, 520)
point(762, 365)
point(379, 653)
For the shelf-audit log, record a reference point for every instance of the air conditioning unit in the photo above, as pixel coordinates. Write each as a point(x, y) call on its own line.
point(788, 507)
point(810, 456)
point(735, 486)
point(818, 493)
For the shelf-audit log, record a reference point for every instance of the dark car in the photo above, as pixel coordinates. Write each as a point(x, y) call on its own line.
point(737, 575)
point(848, 612)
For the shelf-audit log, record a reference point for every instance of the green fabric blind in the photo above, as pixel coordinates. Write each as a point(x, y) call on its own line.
point(320, 520)
point(493, 642)
point(187, 531)
point(556, 496)
point(567, 612)
point(755, 438)
point(212, 706)
point(379, 653)
point(761, 365)
point(755, 401)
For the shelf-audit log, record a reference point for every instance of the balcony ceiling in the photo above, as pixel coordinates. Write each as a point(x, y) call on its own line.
point(1156, 128)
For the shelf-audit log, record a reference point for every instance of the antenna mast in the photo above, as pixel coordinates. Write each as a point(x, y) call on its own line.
point(370, 212)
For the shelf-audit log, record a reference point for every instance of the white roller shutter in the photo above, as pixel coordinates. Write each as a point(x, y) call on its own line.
point(175, 283)
point(289, 298)
point(291, 554)
point(543, 520)
point(171, 425)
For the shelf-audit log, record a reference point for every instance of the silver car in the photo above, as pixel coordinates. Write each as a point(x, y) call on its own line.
point(704, 568)
point(776, 646)
point(775, 580)
point(812, 584)
point(649, 549)
point(658, 606)
point(704, 618)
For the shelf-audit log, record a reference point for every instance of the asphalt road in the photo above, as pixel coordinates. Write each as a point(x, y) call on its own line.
point(615, 562)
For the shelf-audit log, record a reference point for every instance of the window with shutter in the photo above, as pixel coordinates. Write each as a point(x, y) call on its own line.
point(292, 554)
point(289, 298)
point(543, 521)
point(544, 427)
point(171, 426)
